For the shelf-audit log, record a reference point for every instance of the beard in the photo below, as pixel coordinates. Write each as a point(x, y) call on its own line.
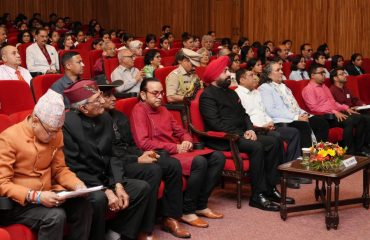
point(224, 83)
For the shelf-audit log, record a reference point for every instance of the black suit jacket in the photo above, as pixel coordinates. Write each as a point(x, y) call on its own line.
point(222, 111)
point(351, 69)
point(88, 149)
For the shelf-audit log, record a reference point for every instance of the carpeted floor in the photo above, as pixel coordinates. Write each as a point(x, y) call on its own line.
point(251, 223)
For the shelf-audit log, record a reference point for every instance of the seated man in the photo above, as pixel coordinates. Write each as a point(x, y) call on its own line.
point(144, 166)
point(153, 128)
point(88, 137)
point(207, 43)
point(343, 95)
point(318, 99)
point(11, 69)
point(251, 100)
point(41, 58)
point(73, 69)
point(130, 75)
point(284, 110)
point(109, 51)
point(32, 170)
point(181, 81)
point(222, 111)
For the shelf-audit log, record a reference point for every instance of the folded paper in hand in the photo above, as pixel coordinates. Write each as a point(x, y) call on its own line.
point(79, 192)
point(362, 107)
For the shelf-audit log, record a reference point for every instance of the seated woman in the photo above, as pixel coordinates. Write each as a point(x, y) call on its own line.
point(298, 69)
point(152, 60)
point(164, 44)
point(354, 67)
point(66, 42)
point(204, 59)
point(170, 38)
point(233, 68)
point(54, 38)
point(246, 53)
point(24, 37)
point(255, 65)
point(97, 44)
point(151, 41)
point(337, 61)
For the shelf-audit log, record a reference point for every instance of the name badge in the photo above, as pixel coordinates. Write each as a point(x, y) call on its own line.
point(348, 95)
point(349, 162)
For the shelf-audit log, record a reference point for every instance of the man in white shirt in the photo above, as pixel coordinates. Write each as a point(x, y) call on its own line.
point(11, 69)
point(251, 100)
point(41, 58)
point(126, 72)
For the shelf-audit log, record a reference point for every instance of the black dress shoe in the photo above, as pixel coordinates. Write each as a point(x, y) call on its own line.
point(275, 196)
point(263, 203)
point(292, 183)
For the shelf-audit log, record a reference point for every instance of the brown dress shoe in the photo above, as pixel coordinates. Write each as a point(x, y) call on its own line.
point(211, 215)
point(145, 236)
point(196, 223)
point(172, 226)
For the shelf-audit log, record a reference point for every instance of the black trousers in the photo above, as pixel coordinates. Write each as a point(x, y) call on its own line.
point(366, 117)
point(263, 161)
point(293, 138)
point(353, 132)
point(204, 175)
point(152, 174)
point(128, 221)
point(49, 222)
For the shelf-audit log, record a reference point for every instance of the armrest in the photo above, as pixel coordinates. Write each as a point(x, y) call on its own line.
point(175, 106)
point(215, 134)
point(6, 203)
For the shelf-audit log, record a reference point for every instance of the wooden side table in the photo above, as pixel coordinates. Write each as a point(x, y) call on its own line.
point(324, 194)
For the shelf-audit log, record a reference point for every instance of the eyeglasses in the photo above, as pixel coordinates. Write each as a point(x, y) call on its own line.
point(322, 73)
point(97, 100)
point(309, 50)
point(157, 93)
point(48, 132)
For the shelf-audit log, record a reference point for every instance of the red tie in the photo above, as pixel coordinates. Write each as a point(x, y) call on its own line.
point(19, 75)
point(46, 54)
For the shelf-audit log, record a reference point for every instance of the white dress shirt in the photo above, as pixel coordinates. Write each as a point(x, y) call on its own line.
point(252, 103)
point(130, 85)
point(36, 60)
point(8, 73)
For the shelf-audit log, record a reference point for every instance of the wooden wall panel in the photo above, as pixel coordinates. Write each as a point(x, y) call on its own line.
point(343, 24)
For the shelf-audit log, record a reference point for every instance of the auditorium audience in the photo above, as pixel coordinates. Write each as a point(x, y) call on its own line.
point(97, 44)
point(11, 69)
point(354, 67)
point(306, 51)
point(136, 48)
point(41, 58)
point(246, 53)
point(3, 36)
point(130, 75)
point(319, 99)
point(33, 169)
point(324, 48)
point(182, 81)
point(66, 42)
point(288, 44)
point(154, 127)
point(152, 61)
point(319, 60)
point(222, 111)
point(282, 52)
point(164, 44)
point(255, 65)
point(109, 51)
point(54, 37)
point(233, 68)
point(187, 41)
point(298, 69)
point(207, 43)
point(151, 41)
point(88, 137)
point(24, 36)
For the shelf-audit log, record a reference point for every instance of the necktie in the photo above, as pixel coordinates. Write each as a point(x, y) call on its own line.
point(46, 54)
point(302, 75)
point(19, 75)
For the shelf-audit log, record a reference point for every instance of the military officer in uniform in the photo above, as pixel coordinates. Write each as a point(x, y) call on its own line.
point(183, 80)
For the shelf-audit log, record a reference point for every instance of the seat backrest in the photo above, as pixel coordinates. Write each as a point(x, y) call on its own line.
point(296, 87)
point(286, 69)
point(327, 65)
point(352, 85)
point(109, 65)
point(194, 116)
point(366, 65)
point(94, 55)
point(172, 51)
point(364, 86)
point(15, 96)
point(200, 71)
point(5, 122)
point(177, 44)
point(19, 116)
point(126, 105)
point(84, 46)
point(168, 61)
point(22, 52)
point(41, 84)
point(161, 74)
point(308, 64)
point(85, 59)
point(139, 63)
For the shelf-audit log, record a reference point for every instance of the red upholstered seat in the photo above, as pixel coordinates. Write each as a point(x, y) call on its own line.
point(85, 59)
point(20, 232)
point(94, 55)
point(15, 96)
point(177, 44)
point(4, 235)
point(364, 87)
point(126, 105)
point(161, 75)
point(171, 52)
point(237, 164)
point(366, 65)
point(5, 122)
point(22, 52)
point(41, 84)
point(308, 64)
point(19, 116)
point(352, 85)
point(139, 63)
point(200, 71)
point(168, 61)
point(109, 65)
point(286, 69)
point(84, 46)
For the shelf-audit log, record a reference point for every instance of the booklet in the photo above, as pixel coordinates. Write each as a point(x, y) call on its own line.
point(72, 194)
point(362, 107)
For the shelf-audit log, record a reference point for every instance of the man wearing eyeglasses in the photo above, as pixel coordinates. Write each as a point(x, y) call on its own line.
point(306, 51)
point(109, 51)
point(181, 81)
point(88, 136)
point(319, 100)
point(130, 75)
point(32, 170)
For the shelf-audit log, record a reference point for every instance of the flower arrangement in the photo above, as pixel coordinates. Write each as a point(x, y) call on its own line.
point(326, 156)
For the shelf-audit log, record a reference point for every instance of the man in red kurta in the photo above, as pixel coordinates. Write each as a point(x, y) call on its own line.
point(153, 128)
